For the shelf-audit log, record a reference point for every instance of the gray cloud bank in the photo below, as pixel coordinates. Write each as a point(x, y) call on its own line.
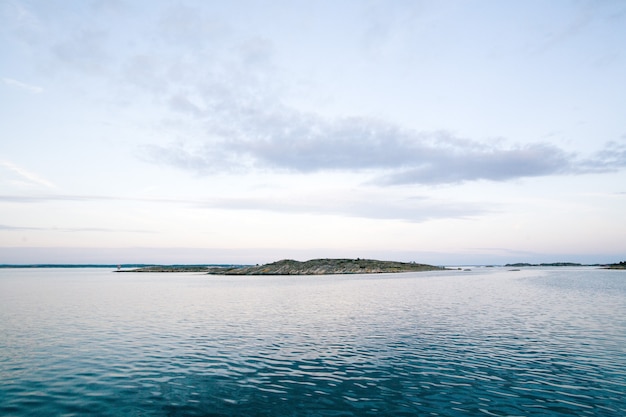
point(305, 143)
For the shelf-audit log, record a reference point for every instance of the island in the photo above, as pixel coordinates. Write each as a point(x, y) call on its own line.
point(326, 267)
point(621, 265)
point(545, 264)
point(177, 268)
point(312, 267)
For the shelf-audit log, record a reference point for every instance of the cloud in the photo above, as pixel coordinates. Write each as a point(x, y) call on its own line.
point(370, 206)
point(297, 142)
point(611, 158)
point(85, 50)
point(67, 229)
point(19, 17)
point(25, 175)
point(39, 199)
point(189, 26)
point(231, 94)
point(35, 199)
point(17, 228)
point(223, 82)
point(373, 204)
point(33, 89)
point(490, 164)
point(244, 129)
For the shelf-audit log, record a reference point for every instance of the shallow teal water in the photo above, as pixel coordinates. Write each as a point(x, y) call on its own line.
point(89, 342)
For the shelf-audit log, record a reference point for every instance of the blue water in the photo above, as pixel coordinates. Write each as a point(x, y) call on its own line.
point(536, 342)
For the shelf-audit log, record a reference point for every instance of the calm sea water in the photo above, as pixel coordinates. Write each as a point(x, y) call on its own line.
point(90, 342)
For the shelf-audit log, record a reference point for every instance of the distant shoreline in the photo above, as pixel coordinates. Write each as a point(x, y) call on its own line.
point(291, 267)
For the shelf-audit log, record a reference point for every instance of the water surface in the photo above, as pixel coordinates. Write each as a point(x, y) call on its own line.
point(90, 342)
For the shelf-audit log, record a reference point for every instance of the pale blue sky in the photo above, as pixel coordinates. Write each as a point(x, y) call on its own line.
point(442, 132)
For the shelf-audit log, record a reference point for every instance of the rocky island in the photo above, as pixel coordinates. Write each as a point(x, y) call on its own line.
point(326, 267)
point(291, 267)
point(619, 265)
point(173, 268)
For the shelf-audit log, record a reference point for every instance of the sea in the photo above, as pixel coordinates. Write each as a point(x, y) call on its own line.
point(537, 341)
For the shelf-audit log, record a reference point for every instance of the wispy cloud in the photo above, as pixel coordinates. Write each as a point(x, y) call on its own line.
point(410, 209)
point(25, 175)
point(67, 229)
point(612, 157)
point(30, 88)
point(350, 203)
point(85, 50)
point(17, 228)
point(43, 198)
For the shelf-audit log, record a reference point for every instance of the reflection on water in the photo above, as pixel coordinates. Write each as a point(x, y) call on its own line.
point(486, 342)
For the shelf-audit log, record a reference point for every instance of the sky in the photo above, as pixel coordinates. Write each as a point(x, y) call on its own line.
point(442, 132)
